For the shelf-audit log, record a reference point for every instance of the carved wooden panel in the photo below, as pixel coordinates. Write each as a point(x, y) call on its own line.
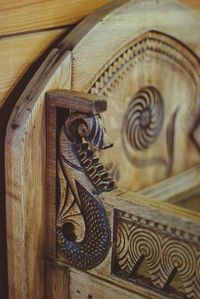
point(137, 55)
point(165, 250)
point(153, 89)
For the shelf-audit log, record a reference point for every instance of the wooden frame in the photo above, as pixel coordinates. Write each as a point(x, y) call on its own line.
point(26, 158)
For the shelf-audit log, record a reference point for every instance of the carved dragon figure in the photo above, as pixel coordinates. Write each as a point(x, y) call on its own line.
point(80, 136)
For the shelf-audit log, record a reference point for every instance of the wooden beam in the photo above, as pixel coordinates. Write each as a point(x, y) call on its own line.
point(18, 53)
point(22, 16)
point(77, 101)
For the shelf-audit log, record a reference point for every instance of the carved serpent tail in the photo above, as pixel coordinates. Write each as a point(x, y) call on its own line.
point(94, 248)
point(86, 178)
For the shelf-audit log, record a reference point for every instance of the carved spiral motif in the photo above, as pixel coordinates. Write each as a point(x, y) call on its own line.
point(164, 254)
point(125, 260)
point(198, 270)
point(197, 278)
point(143, 118)
point(145, 243)
point(181, 256)
point(134, 243)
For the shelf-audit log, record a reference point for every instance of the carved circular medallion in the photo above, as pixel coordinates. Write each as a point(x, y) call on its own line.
point(152, 86)
point(143, 118)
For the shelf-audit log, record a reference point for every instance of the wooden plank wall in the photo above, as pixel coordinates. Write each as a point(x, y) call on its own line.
point(49, 13)
point(43, 14)
point(27, 28)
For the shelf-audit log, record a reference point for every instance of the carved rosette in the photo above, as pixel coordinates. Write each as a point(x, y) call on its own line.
point(143, 119)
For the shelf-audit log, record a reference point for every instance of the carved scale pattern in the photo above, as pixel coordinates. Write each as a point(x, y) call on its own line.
point(165, 250)
point(91, 251)
point(83, 230)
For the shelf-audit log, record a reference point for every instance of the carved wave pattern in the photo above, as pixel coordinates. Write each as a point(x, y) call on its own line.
point(164, 255)
point(143, 118)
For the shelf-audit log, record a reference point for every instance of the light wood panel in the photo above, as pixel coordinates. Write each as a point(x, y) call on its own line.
point(96, 288)
point(19, 16)
point(169, 17)
point(26, 223)
point(18, 53)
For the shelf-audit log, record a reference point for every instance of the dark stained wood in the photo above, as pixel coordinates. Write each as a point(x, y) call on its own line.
point(77, 101)
point(57, 281)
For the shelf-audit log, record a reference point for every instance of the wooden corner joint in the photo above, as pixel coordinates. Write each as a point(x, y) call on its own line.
point(76, 101)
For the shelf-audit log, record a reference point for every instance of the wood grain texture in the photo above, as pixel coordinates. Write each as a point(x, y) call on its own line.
point(96, 288)
point(58, 278)
point(17, 54)
point(171, 225)
point(22, 16)
point(149, 131)
point(26, 223)
point(168, 17)
point(194, 4)
point(147, 61)
point(175, 188)
point(72, 100)
point(107, 31)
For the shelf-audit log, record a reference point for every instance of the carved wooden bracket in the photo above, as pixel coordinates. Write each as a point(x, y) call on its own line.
point(78, 230)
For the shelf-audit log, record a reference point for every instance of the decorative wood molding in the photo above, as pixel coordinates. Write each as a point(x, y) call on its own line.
point(157, 46)
point(178, 186)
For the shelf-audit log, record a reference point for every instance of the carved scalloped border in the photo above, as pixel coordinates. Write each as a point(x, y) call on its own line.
point(168, 49)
